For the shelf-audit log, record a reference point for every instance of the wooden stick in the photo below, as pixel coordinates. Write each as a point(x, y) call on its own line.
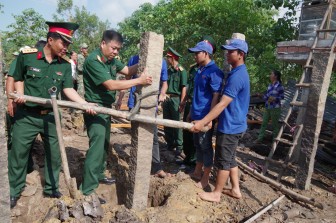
point(71, 183)
point(257, 215)
point(109, 111)
point(280, 187)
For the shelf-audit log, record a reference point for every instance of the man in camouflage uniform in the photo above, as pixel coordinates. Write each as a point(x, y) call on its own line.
point(80, 62)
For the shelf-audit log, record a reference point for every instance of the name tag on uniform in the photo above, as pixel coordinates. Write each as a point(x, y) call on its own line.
point(34, 69)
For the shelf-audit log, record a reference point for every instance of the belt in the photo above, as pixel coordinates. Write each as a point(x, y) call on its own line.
point(173, 95)
point(37, 110)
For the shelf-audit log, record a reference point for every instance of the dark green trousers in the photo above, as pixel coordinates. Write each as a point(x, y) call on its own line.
point(274, 115)
point(9, 127)
point(173, 136)
point(99, 130)
point(26, 127)
point(188, 141)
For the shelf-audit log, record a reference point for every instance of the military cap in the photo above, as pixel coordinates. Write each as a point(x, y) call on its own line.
point(84, 45)
point(172, 53)
point(211, 41)
point(16, 53)
point(65, 29)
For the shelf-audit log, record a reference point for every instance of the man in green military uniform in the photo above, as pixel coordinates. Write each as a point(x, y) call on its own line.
point(188, 142)
point(99, 72)
point(36, 71)
point(80, 62)
point(177, 81)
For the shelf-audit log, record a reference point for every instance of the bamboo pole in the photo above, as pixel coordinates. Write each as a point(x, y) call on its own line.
point(280, 187)
point(109, 111)
point(257, 215)
point(71, 183)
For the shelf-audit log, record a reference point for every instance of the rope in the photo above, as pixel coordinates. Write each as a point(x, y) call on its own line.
point(138, 97)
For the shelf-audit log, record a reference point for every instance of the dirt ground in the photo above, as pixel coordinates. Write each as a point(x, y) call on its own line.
point(175, 199)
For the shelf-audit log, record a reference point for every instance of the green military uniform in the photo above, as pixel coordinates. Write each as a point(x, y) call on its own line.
point(10, 121)
point(96, 70)
point(80, 84)
point(177, 79)
point(31, 119)
point(188, 141)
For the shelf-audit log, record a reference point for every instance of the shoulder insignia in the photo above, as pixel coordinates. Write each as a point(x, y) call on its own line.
point(192, 65)
point(66, 58)
point(30, 50)
point(99, 59)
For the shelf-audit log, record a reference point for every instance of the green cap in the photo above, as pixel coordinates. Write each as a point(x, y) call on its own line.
point(172, 52)
point(210, 40)
point(65, 29)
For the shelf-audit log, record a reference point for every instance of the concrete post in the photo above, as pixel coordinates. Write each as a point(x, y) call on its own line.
point(151, 49)
point(320, 80)
point(5, 213)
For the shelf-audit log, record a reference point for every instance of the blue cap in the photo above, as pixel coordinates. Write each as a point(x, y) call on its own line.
point(236, 44)
point(202, 46)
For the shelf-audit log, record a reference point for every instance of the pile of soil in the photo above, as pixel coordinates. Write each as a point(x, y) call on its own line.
point(175, 199)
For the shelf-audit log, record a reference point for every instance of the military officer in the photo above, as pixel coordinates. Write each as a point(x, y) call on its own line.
point(177, 81)
point(80, 62)
point(99, 72)
point(36, 71)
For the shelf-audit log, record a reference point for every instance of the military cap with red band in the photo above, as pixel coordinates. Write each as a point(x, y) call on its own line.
point(172, 53)
point(65, 29)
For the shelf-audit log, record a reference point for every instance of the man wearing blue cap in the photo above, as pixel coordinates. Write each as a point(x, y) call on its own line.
point(232, 110)
point(207, 87)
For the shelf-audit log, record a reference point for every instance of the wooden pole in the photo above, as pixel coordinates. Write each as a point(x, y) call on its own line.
point(257, 215)
point(280, 187)
point(108, 111)
point(71, 183)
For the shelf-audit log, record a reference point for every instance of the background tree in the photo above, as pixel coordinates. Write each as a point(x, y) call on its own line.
point(183, 22)
point(25, 31)
point(90, 26)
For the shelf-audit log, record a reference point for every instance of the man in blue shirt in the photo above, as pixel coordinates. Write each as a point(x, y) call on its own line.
point(232, 110)
point(156, 162)
point(207, 85)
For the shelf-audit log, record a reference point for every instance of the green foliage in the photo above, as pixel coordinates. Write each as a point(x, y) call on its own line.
point(90, 29)
point(184, 22)
point(25, 31)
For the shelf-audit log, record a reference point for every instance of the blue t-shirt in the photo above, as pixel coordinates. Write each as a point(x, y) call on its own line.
point(163, 77)
point(233, 119)
point(207, 81)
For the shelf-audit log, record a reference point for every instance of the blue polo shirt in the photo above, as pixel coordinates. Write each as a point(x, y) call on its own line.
point(233, 119)
point(208, 80)
point(163, 77)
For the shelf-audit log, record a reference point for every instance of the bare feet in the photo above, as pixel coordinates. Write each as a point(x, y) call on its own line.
point(232, 193)
point(210, 196)
point(162, 174)
point(196, 176)
point(201, 185)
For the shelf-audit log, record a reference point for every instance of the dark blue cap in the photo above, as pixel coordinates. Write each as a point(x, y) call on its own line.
point(236, 44)
point(202, 46)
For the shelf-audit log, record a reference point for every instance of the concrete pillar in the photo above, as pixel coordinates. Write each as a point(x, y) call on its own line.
point(320, 80)
point(151, 49)
point(5, 213)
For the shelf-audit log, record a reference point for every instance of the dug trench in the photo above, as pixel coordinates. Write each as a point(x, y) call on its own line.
point(172, 199)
